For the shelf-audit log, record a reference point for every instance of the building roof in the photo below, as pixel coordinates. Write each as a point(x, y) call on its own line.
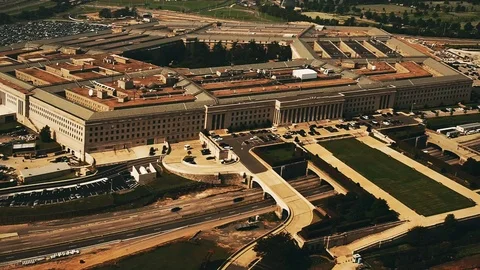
point(50, 168)
point(23, 146)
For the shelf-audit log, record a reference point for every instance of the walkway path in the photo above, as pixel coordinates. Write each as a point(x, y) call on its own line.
point(343, 253)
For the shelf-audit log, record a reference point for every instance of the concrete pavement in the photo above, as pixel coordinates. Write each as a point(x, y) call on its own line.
point(452, 145)
point(343, 253)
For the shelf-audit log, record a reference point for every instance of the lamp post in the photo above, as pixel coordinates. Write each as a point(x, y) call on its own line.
point(411, 108)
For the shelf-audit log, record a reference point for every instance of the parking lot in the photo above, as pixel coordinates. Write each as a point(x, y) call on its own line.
point(121, 181)
point(386, 120)
point(242, 142)
point(35, 30)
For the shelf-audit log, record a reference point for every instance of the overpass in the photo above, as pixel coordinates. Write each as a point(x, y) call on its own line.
point(291, 205)
point(325, 177)
point(451, 145)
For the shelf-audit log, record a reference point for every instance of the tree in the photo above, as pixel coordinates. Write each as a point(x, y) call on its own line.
point(472, 167)
point(281, 252)
point(105, 13)
point(45, 135)
point(468, 27)
point(451, 225)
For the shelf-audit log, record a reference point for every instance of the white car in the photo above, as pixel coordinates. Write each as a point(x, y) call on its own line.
point(386, 123)
point(364, 117)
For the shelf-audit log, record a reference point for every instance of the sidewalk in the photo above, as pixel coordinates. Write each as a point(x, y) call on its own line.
point(122, 155)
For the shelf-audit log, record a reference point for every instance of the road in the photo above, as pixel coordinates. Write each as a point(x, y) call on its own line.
point(59, 235)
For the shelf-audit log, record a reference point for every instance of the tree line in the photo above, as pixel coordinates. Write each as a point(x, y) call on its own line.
point(118, 13)
point(392, 22)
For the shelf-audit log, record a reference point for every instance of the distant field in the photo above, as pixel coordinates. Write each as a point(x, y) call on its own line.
point(417, 191)
point(451, 121)
point(388, 8)
point(235, 12)
point(16, 7)
point(186, 6)
point(180, 255)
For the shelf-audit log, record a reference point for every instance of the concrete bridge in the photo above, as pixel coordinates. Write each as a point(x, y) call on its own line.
point(450, 146)
point(296, 208)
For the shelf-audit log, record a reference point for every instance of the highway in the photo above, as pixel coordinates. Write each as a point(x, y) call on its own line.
point(103, 172)
point(59, 235)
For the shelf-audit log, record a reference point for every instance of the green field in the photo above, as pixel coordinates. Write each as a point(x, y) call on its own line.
point(17, 6)
point(181, 255)
point(185, 6)
point(417, 191)
point(451, 121)
point(280, 154)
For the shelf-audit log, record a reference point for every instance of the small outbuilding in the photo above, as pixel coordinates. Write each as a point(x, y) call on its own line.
point(45, 173)
point(305, 74)
point(144, 174)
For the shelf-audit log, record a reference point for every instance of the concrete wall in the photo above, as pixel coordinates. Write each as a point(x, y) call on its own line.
point(348, 237)
point(292, 170)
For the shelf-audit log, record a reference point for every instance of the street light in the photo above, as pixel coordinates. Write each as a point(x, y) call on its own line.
point(411, 108)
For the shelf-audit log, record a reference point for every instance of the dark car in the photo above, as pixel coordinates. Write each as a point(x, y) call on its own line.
point(176, 209)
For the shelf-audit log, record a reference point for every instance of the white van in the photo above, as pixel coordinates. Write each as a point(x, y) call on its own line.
point(186, 147)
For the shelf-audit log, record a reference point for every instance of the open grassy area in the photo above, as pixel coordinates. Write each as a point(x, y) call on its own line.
point(451, 121)
point(8, 127)
point(180, 255)
point(280, 154)
point(417, 191)
point(17, 6)
point(184, 6)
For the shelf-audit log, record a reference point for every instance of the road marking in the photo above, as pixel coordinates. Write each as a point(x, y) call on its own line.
point(208, 217)
point(157, 229)
point(40, 252)
point(10, 257)
point(130, 234)
point(72, 246)
point(255, 206)
point(101, 240)
point(231, 212)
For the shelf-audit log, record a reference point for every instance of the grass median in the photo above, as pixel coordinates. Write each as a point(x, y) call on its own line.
point(179, 255)
point(167, 185)
point(417, 191)
point(452, 121)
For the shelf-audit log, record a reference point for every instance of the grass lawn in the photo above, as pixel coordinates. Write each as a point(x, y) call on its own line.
point(451, 121)
point(180, 255)
point(185, 5)
point(417, 191)
point(168, 181)
point(279, 154)
point(20, 6)
point(8, 127)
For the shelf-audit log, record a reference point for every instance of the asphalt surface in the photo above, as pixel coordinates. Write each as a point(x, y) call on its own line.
point(157, 228)
point(308, 187)
point(242, 144)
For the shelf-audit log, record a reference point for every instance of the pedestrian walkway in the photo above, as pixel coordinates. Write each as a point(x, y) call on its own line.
point(405, 213)
point(343, 253)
